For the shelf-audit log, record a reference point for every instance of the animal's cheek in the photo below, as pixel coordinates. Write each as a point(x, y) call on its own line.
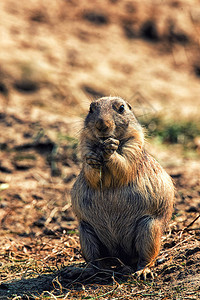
point(122, 126)
point(90, 126)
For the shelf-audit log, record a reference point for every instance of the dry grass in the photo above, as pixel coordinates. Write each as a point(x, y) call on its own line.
point(23, 262)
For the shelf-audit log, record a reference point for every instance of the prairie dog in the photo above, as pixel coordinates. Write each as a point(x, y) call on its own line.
point(122, 197)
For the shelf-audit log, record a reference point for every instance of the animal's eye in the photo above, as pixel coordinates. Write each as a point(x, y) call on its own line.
point(91, 110)
point(121, 109)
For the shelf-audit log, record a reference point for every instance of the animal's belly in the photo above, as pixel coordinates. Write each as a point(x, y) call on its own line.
point(113, 222)
point(113, 214)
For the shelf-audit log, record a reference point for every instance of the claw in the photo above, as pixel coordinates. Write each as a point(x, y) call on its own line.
point(93, 160)
point(110, 146)
point(144, 273)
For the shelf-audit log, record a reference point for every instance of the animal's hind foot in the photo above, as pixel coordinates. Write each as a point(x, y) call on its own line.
point(144, 274)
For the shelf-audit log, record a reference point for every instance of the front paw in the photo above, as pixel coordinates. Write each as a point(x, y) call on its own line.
point(93, 160)
point(109, 147)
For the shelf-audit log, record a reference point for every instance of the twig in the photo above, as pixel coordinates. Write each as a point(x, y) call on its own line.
point(50, 294)
point(168, 250)
point(103, 295)
point(185, 228)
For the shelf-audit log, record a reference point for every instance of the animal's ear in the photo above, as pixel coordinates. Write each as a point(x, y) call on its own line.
point(129, 106)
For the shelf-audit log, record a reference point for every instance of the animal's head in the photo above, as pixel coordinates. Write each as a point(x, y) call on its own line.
point(112, 117)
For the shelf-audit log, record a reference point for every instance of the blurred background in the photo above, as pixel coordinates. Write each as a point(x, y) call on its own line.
point(57, 56)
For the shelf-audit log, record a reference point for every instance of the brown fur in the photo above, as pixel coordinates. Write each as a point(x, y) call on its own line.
point(123, 198)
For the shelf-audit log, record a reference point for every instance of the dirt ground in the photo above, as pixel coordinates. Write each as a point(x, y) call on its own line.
point(55, 57)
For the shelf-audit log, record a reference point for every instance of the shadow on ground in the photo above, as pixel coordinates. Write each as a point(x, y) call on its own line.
point(58, 283)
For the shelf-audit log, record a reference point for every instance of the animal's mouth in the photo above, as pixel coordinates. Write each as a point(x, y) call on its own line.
point(103, 138)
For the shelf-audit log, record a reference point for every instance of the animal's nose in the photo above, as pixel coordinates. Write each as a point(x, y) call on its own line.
point(102, 125)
